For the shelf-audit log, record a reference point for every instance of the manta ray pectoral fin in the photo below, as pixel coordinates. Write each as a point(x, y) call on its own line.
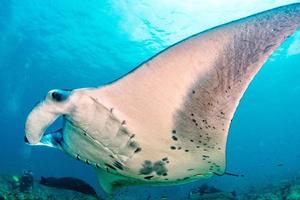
point(111, 182)
point(185, 97)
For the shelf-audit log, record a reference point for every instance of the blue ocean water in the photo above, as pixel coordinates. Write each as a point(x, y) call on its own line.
point(71, 44)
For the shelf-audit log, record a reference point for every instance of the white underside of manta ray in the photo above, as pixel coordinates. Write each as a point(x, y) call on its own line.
point(167, 121)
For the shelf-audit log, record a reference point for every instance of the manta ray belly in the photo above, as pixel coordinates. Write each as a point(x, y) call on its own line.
point(157, 162)
point(95, 136)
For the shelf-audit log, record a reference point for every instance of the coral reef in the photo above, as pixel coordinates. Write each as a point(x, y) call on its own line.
point(287, 190)
point(24, 187)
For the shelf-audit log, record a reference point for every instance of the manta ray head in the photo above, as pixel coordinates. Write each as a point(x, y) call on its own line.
point(89, 127)
point(72, 105)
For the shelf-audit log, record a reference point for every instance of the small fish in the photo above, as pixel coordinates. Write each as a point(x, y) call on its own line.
point(233, 193)
point(69, 183)
point(280, 165)
point(163, 197)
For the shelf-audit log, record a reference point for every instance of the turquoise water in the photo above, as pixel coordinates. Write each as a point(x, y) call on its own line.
point(71, 44)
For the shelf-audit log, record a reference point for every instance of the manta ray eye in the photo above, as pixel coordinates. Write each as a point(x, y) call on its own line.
point(59, 95)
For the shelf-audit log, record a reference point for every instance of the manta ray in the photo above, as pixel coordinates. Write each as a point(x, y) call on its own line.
point(166, 122)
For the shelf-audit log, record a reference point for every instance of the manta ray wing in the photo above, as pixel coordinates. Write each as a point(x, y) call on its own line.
point(186, 96)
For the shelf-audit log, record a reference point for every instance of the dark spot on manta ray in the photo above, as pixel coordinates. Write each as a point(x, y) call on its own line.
point(159, 168)
point(174, 138)
point(174, 131)
point(192, 140)
point(148, 177)
point(165, 159)
point(179, 148)
point(97, 166)
point(222, 113)
point(192, 114)
point(186, 150)
point(193, 91)
point(87, 161)
point(146, 167)
point(138, 150)
point(194, 120)
point(77, 157)
point(172, 147)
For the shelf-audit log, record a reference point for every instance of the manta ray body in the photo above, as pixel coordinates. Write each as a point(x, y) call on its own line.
point(166, 122)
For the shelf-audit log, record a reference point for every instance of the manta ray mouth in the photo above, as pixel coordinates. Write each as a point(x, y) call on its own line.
point(50, 139)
